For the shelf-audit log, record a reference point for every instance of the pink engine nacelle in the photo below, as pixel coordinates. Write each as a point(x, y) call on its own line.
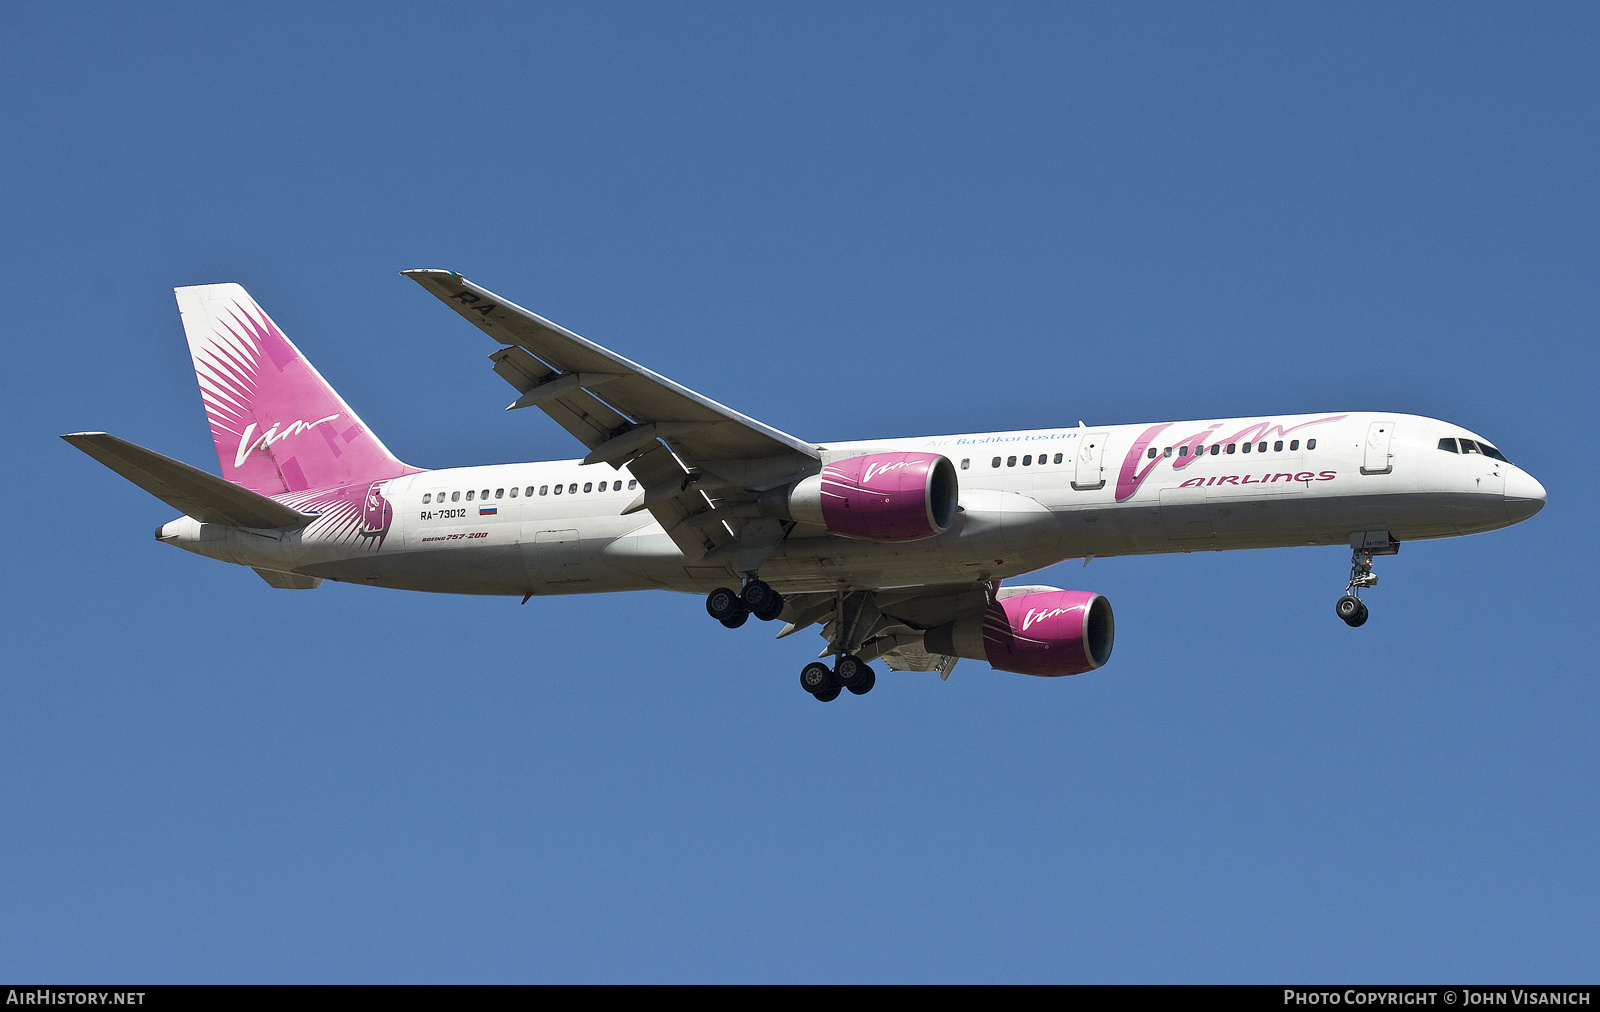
point(1045, 632)
point(879, 497)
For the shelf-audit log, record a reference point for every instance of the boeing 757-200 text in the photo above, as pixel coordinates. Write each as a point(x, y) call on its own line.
point(896, 548)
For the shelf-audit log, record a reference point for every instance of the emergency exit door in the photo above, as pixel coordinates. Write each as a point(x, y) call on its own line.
point(1091, 472)
point(1378, 458)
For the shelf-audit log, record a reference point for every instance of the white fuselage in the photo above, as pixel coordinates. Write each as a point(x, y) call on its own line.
point(1028, 499)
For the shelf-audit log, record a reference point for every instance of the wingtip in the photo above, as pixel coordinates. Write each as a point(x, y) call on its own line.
point(416, 273)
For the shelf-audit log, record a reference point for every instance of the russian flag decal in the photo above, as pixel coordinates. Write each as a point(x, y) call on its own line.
point(488, 511)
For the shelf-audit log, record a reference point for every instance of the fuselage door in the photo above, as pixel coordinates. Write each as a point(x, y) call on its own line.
point(557, 556)
point(1378, 459)
point(1091, 473)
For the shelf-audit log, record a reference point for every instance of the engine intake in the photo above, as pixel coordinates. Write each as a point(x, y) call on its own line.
point(1048, 633)
point(878, 497)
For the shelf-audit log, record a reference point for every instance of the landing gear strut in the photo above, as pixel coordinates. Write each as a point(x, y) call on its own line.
point(854, 619)
point(1363, 546)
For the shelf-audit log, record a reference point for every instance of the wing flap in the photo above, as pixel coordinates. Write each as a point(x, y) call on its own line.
point(188, 490)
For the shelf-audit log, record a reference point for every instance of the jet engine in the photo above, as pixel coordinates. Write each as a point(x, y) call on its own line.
point(1040, 632)
point(877, 497)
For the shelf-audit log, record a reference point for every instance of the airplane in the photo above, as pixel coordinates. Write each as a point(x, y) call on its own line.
point(896, 549)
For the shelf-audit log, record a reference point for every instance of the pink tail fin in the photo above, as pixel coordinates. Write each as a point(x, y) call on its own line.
point(279, 427)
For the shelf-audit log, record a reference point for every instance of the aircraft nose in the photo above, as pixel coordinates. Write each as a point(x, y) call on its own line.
point(1524, 495)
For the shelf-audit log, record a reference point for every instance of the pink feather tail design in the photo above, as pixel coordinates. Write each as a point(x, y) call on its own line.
point(279, 428)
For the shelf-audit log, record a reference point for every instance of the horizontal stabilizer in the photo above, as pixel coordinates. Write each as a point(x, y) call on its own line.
point(189, 490)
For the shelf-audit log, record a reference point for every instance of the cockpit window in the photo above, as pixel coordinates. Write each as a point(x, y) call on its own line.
point(1489, 451)
point(1468, 446)
point(1448, 444)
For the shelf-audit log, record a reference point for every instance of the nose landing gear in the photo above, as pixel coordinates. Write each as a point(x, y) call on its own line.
point(1363, 546)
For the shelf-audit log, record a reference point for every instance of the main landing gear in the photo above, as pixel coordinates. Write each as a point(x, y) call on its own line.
point(1363, 546)
point(733, 608)
point(849, 672)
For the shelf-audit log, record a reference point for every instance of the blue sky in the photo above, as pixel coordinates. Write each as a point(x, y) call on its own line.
point(849, 222)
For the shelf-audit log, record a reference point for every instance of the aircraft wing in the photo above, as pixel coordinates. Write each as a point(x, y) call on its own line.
point(623, 413)
point(697, 426)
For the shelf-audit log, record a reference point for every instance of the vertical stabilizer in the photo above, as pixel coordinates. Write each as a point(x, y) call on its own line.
point(279, 427)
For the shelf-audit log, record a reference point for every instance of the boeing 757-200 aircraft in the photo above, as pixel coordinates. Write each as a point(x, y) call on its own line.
point(896, 548)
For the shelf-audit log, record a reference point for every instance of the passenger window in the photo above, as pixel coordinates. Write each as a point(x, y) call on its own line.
point(558, 490)
point(1294, 444)
point(1247, 448)
point(1444, 444)
point(1058, 458)
point(572, 489)
point(484, 494)
point(966, 462)
point(1183, 451)
point(427, 497)
point(1011, 462)
point(1230, 447)
point(513, 493)
point(1216, 448)
point(1468, 446)
point(542, 489)
point(1200, 451)
point(469, 495)
point(529, 491)
point(1152, 453)
point(588, 486)
point(1277, 447)
point(633, 483)
point(1027, 460)
point(455, 496)
point(1166, 451)
point(1311, 444)
point(1262, 448)
point(499, 493)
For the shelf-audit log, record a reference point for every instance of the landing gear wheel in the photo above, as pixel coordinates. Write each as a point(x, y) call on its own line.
point(817, 678)
point(828, 696)
point(866, 684)
point(737, 620)
point(723, 604)
point(852, 671)
point(771, 610)
point(1352, 610)
point(762, 601)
